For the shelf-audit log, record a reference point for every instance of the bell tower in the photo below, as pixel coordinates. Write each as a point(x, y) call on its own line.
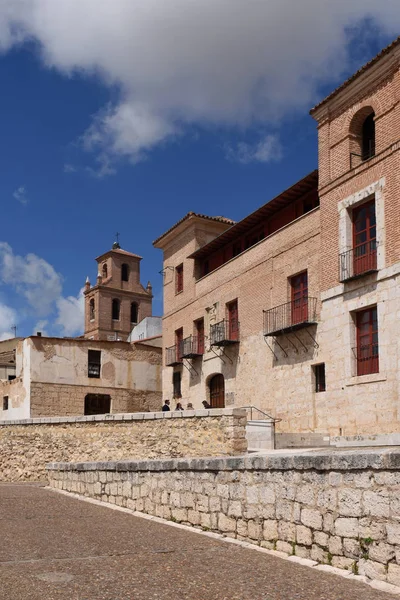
point(118, 300)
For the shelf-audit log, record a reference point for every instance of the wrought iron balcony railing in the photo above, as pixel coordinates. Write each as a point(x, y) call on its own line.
point(367, 357)
point(224, 333)
point(290, 316)
point(192, 346)
point(358, 261)
point(173, 355)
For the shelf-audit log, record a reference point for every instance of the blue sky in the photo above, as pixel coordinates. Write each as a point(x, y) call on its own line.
point(88, 148)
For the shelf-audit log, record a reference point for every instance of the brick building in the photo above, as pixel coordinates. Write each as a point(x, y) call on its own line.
point(295, 308)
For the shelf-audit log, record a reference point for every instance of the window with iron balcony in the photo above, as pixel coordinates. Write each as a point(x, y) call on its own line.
point(367, 350)
point(362, 258)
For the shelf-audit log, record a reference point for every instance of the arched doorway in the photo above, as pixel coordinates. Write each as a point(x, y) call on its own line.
point(217, 391)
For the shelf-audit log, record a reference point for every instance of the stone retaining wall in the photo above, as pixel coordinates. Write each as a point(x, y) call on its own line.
point(26, 446)
point(336, 507)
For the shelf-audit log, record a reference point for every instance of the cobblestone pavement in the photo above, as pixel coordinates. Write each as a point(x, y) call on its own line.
point(59, 548)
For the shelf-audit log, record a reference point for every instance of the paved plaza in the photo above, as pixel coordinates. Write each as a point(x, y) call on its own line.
point(58, 548)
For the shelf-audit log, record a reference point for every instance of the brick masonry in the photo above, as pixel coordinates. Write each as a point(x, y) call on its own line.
point(27, 445)
point(339, 508)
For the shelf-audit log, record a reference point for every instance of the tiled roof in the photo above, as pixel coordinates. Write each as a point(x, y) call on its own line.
point(364, 68)
point(198, 215)
point(118, 251)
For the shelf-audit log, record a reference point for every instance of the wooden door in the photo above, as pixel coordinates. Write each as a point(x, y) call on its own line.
point(299, 312)
point(178, 344)
point(367, 342)
point(364, 238)
point(217, 391)
point(233, 321)
point(200, 336)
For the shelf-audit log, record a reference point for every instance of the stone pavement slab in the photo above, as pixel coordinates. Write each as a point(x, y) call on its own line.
point(58, 548)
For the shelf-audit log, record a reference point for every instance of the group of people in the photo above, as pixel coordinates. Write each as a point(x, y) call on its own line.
point(166, 406)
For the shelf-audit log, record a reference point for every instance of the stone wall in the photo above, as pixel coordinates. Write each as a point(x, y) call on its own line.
point(335, 507)
point(27, 446)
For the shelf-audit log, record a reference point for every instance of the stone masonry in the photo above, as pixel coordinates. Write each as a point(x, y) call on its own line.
point(26, 446)
point(338, 508)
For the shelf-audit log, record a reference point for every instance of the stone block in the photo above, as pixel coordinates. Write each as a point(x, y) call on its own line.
point(329, 523)
point(335, 546)
point(377, 503)
point(341, 562)
point(252, 494)
point(370, 528)
point(327, 499)
point(194, 517)
point(267, 494)
point(284, 547)
point(306, 495)
point(284, 510)
point(180, 514)
point(350, 503)
point(351, 548)
point(347, 527)
point(235, 508)
point(226, 524)
point(372, 570)
point(215, 504)
point(381, 552)
point(268, 511)
point(287, 531)
point(318, 554)
point(303, 535)
point(254, 530)
point(302, 551)
point(393, 575)
point(335, 479)
point(321, 539)
point(393, 533)
point(270, 530)
point(311, 518)
point(241, 528)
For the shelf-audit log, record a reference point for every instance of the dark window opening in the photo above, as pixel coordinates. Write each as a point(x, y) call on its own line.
point(217, 391)
point(176, 384)
point(233, 320)
point(91, 309)
point(319, 375)
point(199, 333)
point(5, 402)
point(115, 309)
point(94, 363)
point(179, 279)
point(368, 137)
point(11, 377)
point(364, 238)
point(178, 343)
point(105, 271)
point(367, 351)
point(299, 289)
point(97, 404)
point(125, 272)
point(134, 312)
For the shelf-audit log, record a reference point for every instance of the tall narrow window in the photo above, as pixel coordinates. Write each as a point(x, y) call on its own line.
point(115, 309)
point(134, 312)
point(299, 288)
point(199, 333)
point(5, 402)
point(179, 279)
point(319, 378)
point(364, 238)
point(105, 271)
point(368, 137)
point(233, 320)
point(178, 343)
point(94, 363)
point(125, 272)
point(176, 384)
point(367, 350)
point(91, 309)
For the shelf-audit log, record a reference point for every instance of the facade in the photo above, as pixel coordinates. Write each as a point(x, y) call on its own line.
point(7, 358)
point(149, 327)
point(72, 377)
point(295, 308)
point(118, 301)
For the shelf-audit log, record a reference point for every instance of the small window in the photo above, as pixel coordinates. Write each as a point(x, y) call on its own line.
point(134, 312)
point(319, 377)
point(11, 377)
point(105, 271)
point(115, 309)
point(91, 309)
point(179, 279)
point(367, 350)
point(94, 363)
point(368, 137)
point(176, 384)
point(5, 402)
point(125, 272)
point(97, 404)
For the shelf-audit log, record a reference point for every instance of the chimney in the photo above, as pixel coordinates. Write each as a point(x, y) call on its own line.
point(39, 333)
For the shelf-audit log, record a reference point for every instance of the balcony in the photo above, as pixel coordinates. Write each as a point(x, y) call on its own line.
point(290, 316)
point(173, 356)
point(367, 357)
point(358, 261)
point(192, 347)
point(224, 333)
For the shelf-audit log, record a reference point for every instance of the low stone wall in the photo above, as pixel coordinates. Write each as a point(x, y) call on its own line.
point(26, 446)
point(336, 507)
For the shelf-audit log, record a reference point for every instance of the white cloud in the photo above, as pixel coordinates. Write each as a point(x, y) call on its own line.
point(68, 168)
point(20, 195)
point(267, 149)
point(8, 318)
point(71, 312)
point(179, 63)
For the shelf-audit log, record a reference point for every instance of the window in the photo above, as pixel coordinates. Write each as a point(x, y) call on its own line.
point(5, 402)
point(94, 363)
point(124, 272)
point(134, 312)
point(362, 136)
point(368, 137)
point(91, 309)
point(319, 377)
point(176, 384)
point(206, 267)
point(179, 279)
point(105, 271)
point(115, 309)
point(233, 320)
point(12, 377)
point(367, 351)
point(299, 291)
point(178, 343)
point(364, 238)
point(199, 333)
point(97, 404)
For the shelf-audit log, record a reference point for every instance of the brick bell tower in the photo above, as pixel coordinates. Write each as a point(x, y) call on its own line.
point(118, 300)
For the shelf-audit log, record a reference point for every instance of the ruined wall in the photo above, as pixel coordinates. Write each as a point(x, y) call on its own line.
point(339, 508)
point(26, 447)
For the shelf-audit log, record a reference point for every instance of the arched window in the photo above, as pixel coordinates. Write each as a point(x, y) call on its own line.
point(368, 137)
point(362, 136)
point(115, 309)
point(134, 312)
point(105, 271)
point(124, 272)
point(91, 309)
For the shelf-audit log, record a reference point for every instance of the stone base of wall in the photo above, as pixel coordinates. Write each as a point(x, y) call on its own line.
point(340, 508)
point(27, 446)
